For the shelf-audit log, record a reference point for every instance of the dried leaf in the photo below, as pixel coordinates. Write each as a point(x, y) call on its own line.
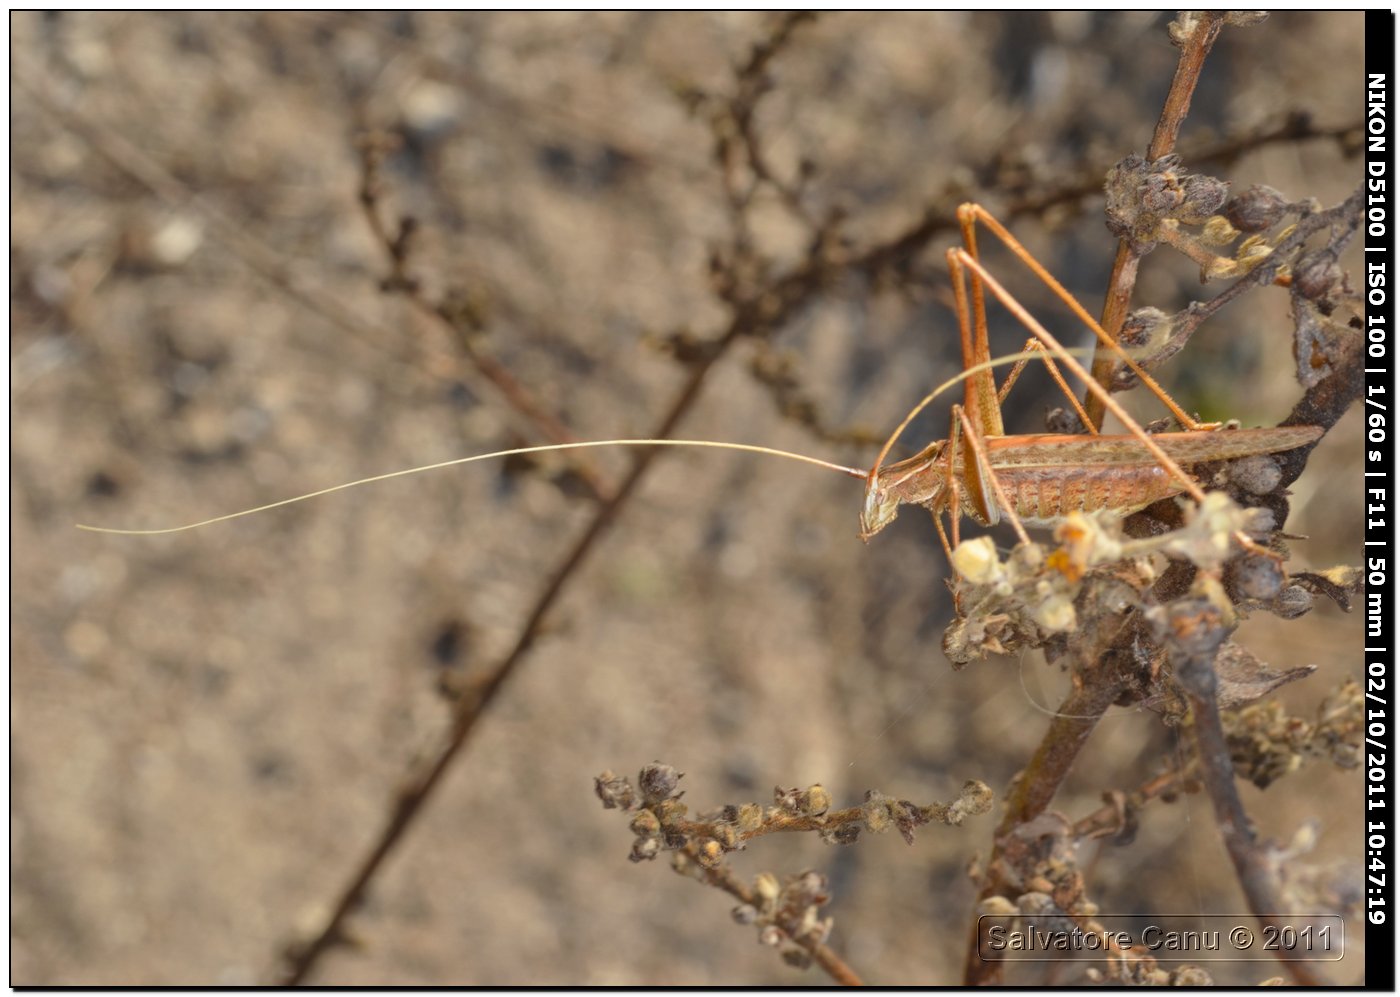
point(1339, 584)
point(1243, 678)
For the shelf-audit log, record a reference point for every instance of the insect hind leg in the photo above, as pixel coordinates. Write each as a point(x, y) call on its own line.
point(970, 214)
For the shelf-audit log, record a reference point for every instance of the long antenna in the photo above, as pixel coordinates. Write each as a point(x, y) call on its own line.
point(745, 447)
point(950, 383)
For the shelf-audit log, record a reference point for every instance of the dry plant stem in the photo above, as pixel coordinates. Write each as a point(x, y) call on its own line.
point(1197, 676)
point(723, 878)
point(303, 958)
point(939, 218)
point(267, 261)
point(1344, 219)
point(1108, 819)
point(1033, 790)
point(767, 308)
point(395, 246)
point(1123, 277)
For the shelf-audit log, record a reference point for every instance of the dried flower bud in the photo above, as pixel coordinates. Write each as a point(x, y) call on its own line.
point(771, 935)
point(615, 791)
point(876, 814)
point(815, 801)
point(1292, 602)
point(744, 914)
point(658, 782)
point(749, 817)
point(846, 834)
point(1145, 329)
point(645, 849)
point(767, 887)
point(1315, 275)
point(976, 798)
point(1217, 231)
point(1056, 614)
point(810, 888)
point(645, 824)
point(1202, 197)
point(1161, 194)
point(788, 800)
point(726, 836)
point(976, 560)
point(1256, 210)
point(819, 932)
point(710, 853)
point(670, 810)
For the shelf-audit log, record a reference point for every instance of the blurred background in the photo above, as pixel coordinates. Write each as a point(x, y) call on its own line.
point(208, 729)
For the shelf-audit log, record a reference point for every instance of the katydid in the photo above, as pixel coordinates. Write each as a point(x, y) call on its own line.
point(980, 471)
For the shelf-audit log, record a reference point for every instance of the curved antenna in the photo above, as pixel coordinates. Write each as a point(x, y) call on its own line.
point(953, 382)
point(745, 447)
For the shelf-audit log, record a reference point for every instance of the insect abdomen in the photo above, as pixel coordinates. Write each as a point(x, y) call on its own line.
point(1043, 495)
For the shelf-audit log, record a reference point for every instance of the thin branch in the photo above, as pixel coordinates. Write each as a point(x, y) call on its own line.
point(724, 878)
point(396, 245)
point(1195, 668)
point(303, 959)
point(1123, 277)
point(898, 250)
point(1031, 793)
point(268, 262)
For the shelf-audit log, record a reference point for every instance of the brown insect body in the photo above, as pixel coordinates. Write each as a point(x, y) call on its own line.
point(1046, 476)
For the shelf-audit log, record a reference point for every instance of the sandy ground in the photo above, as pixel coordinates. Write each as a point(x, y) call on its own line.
point(208, 728)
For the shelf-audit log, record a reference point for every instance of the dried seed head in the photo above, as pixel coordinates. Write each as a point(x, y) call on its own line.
point(1256, 210)
point(1292, 602)
point(815, 801)
point(1217, 231)
point(749, 817)
point(726, 836)
point(1161, 194)
point(767, 887)
point(976, 560)
point(745, 914)
point(1209, 531)
point(788, 800)
point(809, 888)
point(710, 853)
point(846, 834)
point(1202, 197)
point(645, 824)
point(658, 782)
point(670, 810)
point(615, 791)
point(976, 798)
point(645, 849)
point(876, 813)
point(1055, 613)
point(1145, 329)
point(1315, 275)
